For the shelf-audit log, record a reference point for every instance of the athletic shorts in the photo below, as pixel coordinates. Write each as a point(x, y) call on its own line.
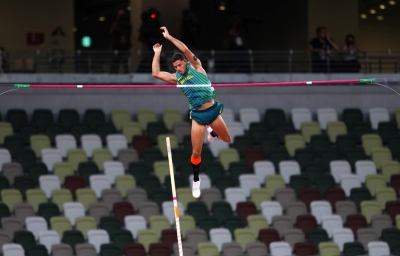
point(207, 116)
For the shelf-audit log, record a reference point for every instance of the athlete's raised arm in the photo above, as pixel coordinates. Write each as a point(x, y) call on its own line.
point(194, 61)
point(155, 67)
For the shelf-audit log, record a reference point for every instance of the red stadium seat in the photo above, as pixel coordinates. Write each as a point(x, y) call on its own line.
point(134, 249)
point(307, 195)
point(304, 249)
point(334, 195)
point(141, 143)
point(251, 155)
point(159, 249)
point(122, 209)
point(169, 238)
point(73, 183)
point(245, 209)
point(395, 183)
point(392, 209)
point(356, 221)
point(268, 235)
point(306, 222)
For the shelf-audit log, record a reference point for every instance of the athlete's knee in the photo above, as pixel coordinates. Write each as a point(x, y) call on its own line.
point(226, 138)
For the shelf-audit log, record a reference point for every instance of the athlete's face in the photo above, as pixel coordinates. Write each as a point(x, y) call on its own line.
point(180, 66)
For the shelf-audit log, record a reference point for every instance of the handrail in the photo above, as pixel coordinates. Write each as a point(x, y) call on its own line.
point(249, 61)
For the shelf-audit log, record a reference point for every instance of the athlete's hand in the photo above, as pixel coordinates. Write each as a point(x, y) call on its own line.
point(165, 33)
point(157, 47)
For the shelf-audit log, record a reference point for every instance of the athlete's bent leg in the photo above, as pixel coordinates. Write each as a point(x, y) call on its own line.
point(220, 128)
point(198, 131)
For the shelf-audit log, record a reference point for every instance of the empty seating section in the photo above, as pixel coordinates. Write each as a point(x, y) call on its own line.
point(297, 183)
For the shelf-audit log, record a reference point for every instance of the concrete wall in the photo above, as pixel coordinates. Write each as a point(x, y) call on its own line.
point(286, 97)
point(19, 17)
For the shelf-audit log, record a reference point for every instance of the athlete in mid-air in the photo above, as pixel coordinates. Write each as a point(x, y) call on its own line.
point(205, 112)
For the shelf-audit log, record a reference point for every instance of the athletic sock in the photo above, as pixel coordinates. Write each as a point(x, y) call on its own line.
point(214, 134)
point(196, 167)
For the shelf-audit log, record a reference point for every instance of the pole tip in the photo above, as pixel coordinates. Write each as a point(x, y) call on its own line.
point(18, 86)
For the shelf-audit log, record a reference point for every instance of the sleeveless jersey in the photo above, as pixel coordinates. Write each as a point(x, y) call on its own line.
point(196, 96)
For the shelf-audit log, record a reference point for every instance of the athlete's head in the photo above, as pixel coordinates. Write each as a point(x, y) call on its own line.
point(179, 62)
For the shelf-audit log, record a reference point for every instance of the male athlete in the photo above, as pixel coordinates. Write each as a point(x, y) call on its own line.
point(204, 111)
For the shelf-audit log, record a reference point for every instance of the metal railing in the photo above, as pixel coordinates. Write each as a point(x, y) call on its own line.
point(214, 62)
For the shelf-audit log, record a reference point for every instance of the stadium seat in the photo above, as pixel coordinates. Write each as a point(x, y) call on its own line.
point(61, 196)
point(187, 222)
point(304, 249)
point(244, 236)
point(320, 208)
point(271, 209)
point(181, 129)
point(330, 222)
point(380, 156)
point(10, 197)
point(295, 209)
point(24, 238)
point(369, 209)
point(98, 210)
point(328, 249)
point(73, 210)
point(309, 195)
point(280, 248)
point(300, 115)
point(62, 170)
point(76, 156)
point(85, 249)
point(248, 116)
point(12, 170)
point(84, 224)
point(349, 182)
point(390, 168)
point(384, 195)
point(309, 129)
point(39, 142)
point(60, 225)
point(119, 116)
point(130, 130)
point(370, 141)
point(147, 237)
point(99, 182)
point(100, 156)
point(113, 169)
point(13, 249)
point(169, 211)
point(134, 223)
point(234, 196)
point(374, 182)
point(6, 129)
point(86, 196)
point(94, 118)
point(392, 208)
point(267, 236)
point(293, 142)
point(380, 222)
point(325, 116)
point(64, 143)
point(98, 237)
point(377, 115)
point(378, 248)
point(219, 236)
point(281, 223)
point(11, 225)
point(110, 250)
point(22, 210)
point(48, 183)
point(335, 129)
point(5, 157)
point(48, 239)
point(354, 248)
point(294, 236)
point(116, 142)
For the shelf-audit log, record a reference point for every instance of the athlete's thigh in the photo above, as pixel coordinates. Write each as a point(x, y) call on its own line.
point(221, 129)
point(198, 131)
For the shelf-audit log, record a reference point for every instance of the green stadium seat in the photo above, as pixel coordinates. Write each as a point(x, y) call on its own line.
point(68, 118)
point(42, 117)
point(316, 236)
point(23, 183)
point(94, 118)
point(370, 141)
point(14, 143)
point(110, 250)
point(138, 170)
point(111, 224)
point(198, 210)
point(170, 117)
point(381, 155)
point(352, 117)
point(269, 145)
point(387, 130)
point(6, 129)
point(122, 238)
point(293, 142)
point(35, 197)
point(151, 184)
point(17, 118)
point(221, 211)
point(35, 170)
point(130, 130)
point(48, 211)
point(100, 156)
point(60, 224)
point(357, 195)
point(145, 116)
point(154, 129)
point(10, 197)
point(25, 238)
point(353, 249)
point(309, 129)
point(274, 117)
point(72, 238)
point(233, 223)
point(152, 155)
point(258, 132)
point(52, 131)
point(335, 129)
point(319, 143)
point(37, 250)
point(208, 222)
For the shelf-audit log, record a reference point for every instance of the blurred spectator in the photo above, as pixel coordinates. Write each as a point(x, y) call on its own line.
point(321, 48)
point(350, 59)
point(235, 34)
point(190, 28)
point(149, 32)
point(3, 62)
point(121, 41)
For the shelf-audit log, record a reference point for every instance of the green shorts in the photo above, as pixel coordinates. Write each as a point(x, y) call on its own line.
point(209, 115)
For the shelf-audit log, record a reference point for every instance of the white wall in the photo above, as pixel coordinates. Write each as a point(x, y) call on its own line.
point(18, 17)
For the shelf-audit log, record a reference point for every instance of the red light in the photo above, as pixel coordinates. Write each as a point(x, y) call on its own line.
point(153, 16)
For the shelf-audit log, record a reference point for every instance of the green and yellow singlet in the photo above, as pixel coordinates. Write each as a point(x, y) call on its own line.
point(197, 96)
